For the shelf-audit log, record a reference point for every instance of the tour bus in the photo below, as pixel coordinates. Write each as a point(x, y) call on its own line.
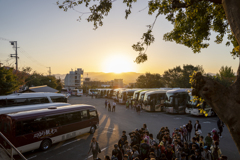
point(109, 93)
point(115, 94)
point(125, 95)
point(93, 91)
point(193, 109)
point(141, 98)
point(154, 100)
point(177, 100)
point(136, 96)
point(20, 99)
point(77, 92)
point(64, 91)
point(30, 130)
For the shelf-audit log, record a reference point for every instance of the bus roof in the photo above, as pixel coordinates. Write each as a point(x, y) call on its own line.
point(178, 90)
point(49, 111)
point(29, 95)
point(15, 109)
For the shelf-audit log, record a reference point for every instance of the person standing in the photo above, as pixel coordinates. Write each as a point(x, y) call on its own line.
point(94, 147)
point(127, 104)
point(109, 106)
point(189, 130)
point(184, 133)
point(114, 105)
point(220, 127)
point(197, 126)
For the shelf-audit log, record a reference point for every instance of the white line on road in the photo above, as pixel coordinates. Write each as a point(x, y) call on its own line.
point(101, 150)
point(207, 122)
point(33, 157)
point(70, 142)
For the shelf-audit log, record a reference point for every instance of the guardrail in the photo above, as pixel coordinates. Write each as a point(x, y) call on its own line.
point(12, 148)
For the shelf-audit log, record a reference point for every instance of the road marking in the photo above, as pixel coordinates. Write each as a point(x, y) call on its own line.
point(33, 157)
point(207, 122)
point(177, 118)
point(101, 150)
point(70, 142)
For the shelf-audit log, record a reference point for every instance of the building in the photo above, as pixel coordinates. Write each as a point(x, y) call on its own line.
point(73, 80)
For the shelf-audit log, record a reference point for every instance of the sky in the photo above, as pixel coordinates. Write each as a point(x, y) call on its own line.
point(50, 37)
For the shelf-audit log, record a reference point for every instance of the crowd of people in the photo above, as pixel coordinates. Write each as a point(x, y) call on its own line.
point(175, 145)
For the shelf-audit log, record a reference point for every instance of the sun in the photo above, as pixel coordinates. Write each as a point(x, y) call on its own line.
point(118, 64)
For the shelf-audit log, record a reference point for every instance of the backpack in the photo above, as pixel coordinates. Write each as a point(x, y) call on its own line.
point(143, 151)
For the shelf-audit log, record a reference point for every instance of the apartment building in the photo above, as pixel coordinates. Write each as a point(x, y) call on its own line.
point(73, 79)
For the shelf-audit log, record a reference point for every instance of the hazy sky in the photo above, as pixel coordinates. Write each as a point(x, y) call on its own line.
point(50, 37)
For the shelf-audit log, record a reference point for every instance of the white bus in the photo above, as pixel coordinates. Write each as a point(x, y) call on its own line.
point(22, 99)
point(77, 92)
point(154, 100)
point(14, 109)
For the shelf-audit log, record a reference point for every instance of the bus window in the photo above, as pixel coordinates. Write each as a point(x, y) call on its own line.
point(73, 117)
point(92, 114)
point(17, 102)
point(3, 103)
point(84, 115)
point(58, 99)
point(38, 100)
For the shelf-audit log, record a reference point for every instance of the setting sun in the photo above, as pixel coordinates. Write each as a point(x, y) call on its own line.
point(118, 64)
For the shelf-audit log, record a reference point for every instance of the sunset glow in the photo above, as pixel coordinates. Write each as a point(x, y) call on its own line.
point(117, 64)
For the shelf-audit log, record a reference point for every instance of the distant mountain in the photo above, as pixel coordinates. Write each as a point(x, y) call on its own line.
point(128, 77)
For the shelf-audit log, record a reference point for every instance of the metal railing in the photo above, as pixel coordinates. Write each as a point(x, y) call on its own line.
point(13, 148)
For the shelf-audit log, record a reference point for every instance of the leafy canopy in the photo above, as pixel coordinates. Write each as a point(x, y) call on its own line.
point(193, 21)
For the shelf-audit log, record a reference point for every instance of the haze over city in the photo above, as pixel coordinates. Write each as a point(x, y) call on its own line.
point(50, 37)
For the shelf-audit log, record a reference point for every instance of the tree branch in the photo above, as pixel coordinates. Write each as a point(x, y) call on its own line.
point(177, 4)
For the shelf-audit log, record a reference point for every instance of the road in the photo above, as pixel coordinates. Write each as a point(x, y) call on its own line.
point(113, 123)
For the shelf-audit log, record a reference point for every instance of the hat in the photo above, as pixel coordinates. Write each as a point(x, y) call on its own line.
point(214, 131)
point(205, 147)
point(115, 145)
point(184, 125)
point(177, 129)
point(136, 129)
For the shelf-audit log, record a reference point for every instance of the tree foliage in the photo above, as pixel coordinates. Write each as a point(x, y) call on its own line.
point(149, 81)
point(8, 81)
point(225, 76)
point(193, 21)
point(180, 77)
point(37, 79)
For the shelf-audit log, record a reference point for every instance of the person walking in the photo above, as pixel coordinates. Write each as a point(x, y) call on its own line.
point(127, 104)
point(220, 125)
point(189, 130)
point(197, 126)
point(114, 105)
point(106, 102)
point(94, 147)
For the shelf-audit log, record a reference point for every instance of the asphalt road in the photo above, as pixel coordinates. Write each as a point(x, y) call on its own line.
point(113, 123)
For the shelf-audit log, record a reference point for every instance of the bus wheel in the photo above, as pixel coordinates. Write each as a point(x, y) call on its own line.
point(45, 145)
point(92, 129)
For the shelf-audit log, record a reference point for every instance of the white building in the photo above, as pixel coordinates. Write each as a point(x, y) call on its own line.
point(73, 80)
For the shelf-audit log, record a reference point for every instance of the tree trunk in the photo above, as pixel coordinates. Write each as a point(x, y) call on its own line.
point(232, 10)
point(224, 101)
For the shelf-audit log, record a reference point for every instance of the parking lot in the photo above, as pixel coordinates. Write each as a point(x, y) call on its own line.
point(113, 123)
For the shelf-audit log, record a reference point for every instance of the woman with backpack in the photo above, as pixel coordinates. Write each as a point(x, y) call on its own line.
point(216, 151)
point(94, 147)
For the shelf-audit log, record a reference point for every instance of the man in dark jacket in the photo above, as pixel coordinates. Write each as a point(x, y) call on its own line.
point(116, 152)
point(144, 149)
point(197, 126)
point(133, 140)
point(189, 130)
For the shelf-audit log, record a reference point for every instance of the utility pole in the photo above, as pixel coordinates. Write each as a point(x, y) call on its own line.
point(14, 44)
point(49, 71)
